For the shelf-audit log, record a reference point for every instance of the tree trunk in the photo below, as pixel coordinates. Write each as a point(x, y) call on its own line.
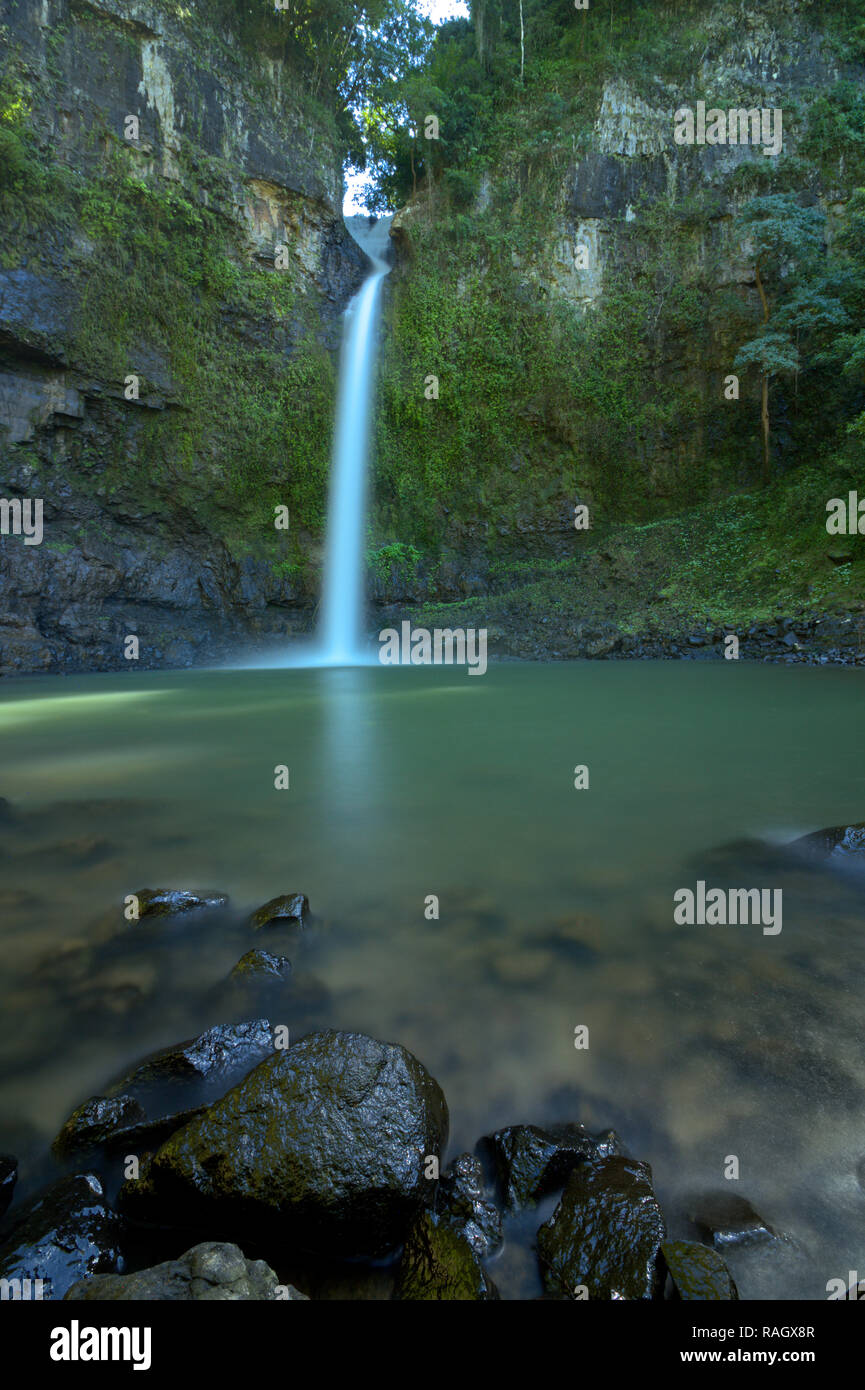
point(767, 470)
point(764, 410)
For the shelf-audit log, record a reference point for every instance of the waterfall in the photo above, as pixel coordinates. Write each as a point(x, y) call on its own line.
point(341, 626)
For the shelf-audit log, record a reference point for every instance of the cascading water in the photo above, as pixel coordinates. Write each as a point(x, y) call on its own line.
point(341, 627)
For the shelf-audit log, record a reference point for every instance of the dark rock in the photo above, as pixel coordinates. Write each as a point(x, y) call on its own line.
point(169, 902)
point(288, 910)
point(439, 1264)
point(605, 1234)
point(461, 1204)
point(207, 1273)
point(199, 1069)
point(94, 1122)
point(860, 1172)
point(63, 1234)
point(531, 1162)
point(838, 843)
point(261, 966)
point(117, 1126)
point(324, 1142)
point(8, 1179)
point(698, 1272)
point(728, 1219)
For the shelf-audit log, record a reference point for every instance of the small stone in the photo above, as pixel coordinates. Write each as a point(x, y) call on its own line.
point(288, 910)
point(261, 965)
point(169, 902)
point(728, 1219)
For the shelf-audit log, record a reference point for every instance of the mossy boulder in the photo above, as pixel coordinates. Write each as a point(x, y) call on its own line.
point(605, 1235)
point(438, 1264)
point(208, 1273)
point(323, 1144)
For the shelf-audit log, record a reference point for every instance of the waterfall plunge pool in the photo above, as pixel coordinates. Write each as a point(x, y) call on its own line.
point(555, 905)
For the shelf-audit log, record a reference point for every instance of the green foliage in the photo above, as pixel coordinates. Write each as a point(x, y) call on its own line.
point(395, 561)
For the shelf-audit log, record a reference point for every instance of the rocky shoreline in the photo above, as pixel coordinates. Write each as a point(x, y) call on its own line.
point(828, 640)
point(266, 1159)
point(247, 1164)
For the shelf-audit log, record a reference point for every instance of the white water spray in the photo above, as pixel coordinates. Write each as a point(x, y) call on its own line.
point(341, 628)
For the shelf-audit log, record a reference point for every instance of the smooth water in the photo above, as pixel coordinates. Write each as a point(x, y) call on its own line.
point(556, 905)
point(341, 634)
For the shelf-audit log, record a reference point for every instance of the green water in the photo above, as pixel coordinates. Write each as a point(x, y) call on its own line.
point(556, 904)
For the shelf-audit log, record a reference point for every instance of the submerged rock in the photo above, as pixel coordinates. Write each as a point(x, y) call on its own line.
point(698, 1272)
point(840, 843)
point(288, 910)
point(324, 1142)
point(531, 1162)
point(728, 1219)
point(61, 1235)
point(605, 1234)
point(210, 1272)
point(8, 1179)
point(172, 902)
point(199, 1068)
point(462, 1205)
point(261, 966)
point(439, 1264)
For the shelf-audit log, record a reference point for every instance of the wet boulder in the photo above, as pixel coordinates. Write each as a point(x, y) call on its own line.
point(154, 903)
point(462, 1204)
point(196, 1070)
point(8, 1179)
point(531, 1162)
point(324, 1143)
point(287, 910)
point(605, 1235)
point(438, 1264)
point(698, 1272)
point(727, 1219)
point(63, 1234)
point(208, 1273)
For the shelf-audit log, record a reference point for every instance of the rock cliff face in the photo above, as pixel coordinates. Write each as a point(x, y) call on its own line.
point(596, 210)
point(173, 273)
